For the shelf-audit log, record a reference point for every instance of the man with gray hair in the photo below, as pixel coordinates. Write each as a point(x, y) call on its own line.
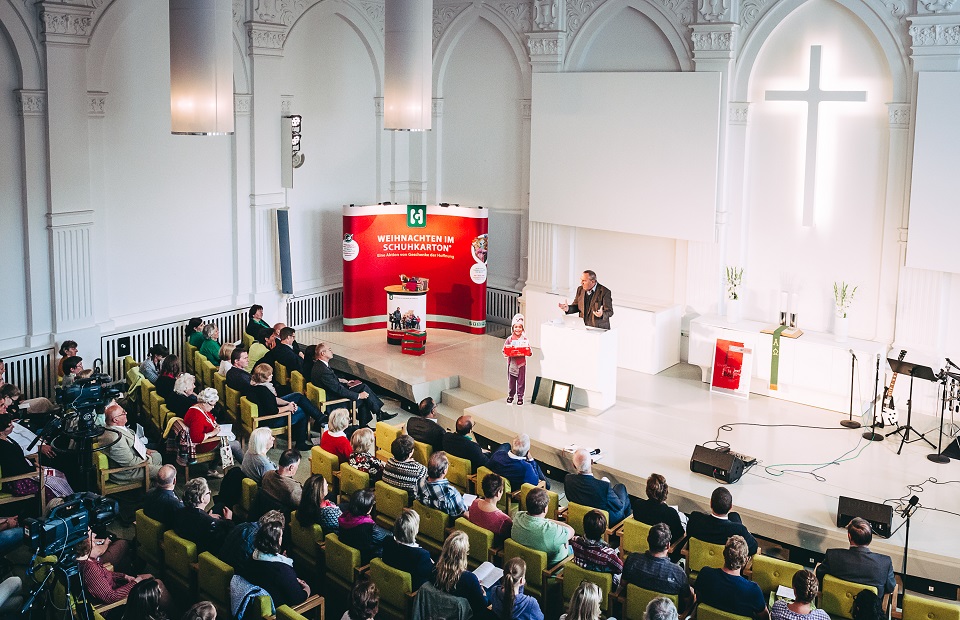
point(436, 491)
point(161, 503)
point(513, 462)
point(592, 301)
point(660, 608)
point(127, 450)
point(582, 488)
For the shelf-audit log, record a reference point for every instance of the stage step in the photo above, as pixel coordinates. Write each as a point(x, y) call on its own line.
point(456, 400)
point(485, 391)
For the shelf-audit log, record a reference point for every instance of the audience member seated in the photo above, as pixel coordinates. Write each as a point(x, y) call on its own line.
point(867, 606)
point(34, 412)
point(256, 321)
point(424, 427)
point(533, 529)
point(107, 586)
point(261, 345)
point(238, 546)
point(653, 570)
point(161, 502)
point(14, 463)
point(316, 509)
point(204, 430)
point(225, 352)
point(582, 488)
point(150, 367)
point(450, 575)
point(437, 492)
point(364, 443)
point(462, 443)
point(11, 597)
point(717, 527)
point(67, 350)
point(194, 332)
point(169, 371)
point(591, 552)
point(145, 601)
point(585, 603)
point(726, 589)
point(357, 528)
point(660, 608)
point(284, 352)
point(263, 395)
point(401, 470)
point(204, 610)
point(72, 367)
point(124, 448)
point(364, 601)
point(210, 347)
point(369, 405)
point(237, 376)
point(805, 589)
point(183, 396)
point(402, 551)
point(273, 571)
point(858, 563)
point(507, 599)
point(484, 512)
point(280, 488)
point(334, 439)
point(195, 524)
point(11, 534)
point(255, 462)
point(513, 462)
point(654, 508)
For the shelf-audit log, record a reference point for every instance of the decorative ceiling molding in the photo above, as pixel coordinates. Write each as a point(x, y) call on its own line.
point(31, 102)
point(578, 11)
point(66, 24)
point(97, 104)
point(518, 14)
point(935, 35)
point(443, 16)
point(266, 39)
point(376, 10)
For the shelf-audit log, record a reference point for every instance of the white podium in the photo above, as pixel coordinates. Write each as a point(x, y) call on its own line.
point(583, 356)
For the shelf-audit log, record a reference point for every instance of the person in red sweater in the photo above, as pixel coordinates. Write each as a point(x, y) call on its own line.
point(204, 430)
point(105, 585)
point(334, 440)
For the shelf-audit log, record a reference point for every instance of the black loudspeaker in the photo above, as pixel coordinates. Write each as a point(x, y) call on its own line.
point(721, 466)
point(283, 241)
point(880, 516)
point(953, 449)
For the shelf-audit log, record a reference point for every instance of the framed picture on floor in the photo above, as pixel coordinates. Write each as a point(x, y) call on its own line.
point(732, 367)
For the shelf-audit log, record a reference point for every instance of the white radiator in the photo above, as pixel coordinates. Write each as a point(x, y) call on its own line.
point(315, 309)
point(34, 372)
point(501, 306)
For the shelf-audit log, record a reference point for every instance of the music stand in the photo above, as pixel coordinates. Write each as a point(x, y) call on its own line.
point(939, 456)
point(920, 372)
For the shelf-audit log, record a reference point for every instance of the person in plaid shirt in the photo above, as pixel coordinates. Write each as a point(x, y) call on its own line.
point(436, 491)
point(591, 552)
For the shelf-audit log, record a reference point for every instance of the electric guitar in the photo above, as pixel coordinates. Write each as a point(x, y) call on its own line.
point(888, 408)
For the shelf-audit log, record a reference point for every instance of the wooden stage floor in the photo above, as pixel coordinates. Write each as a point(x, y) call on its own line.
point(806, 459)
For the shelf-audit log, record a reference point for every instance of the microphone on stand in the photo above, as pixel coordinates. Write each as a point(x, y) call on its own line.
point(852, 353)
point(910, 508)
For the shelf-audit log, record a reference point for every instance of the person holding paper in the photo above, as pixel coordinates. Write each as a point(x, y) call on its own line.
point(593, 301)
point(128, 450)
point(516, 349)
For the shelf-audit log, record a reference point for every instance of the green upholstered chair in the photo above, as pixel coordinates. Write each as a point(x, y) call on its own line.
point(637, 599)
point(106, 484)
point(248, 494)
point(386, 434)
point(505, 501)
point(305, 548)
point(433, 528)
point(706, 612)
point(770, 573)
point(633, 536)
point(422, 452)
point(251, 419)
point(326, 464)
point(352, 480)
point(836, 596)
point(572, 576)
point(481, 542)
point(232, 401)
point(179, 554)
point(220, 383)
point(575, 514)
point(146, 386)
point(281, 374)
point(390, 503)
point(213, 581)
point(553, 500)
point(297, 382)
point(150, 537)
point(341, 564)
point(702, 554)
point(459, 472)
point(396, 593)
point(128, 363)
point(540, 579)
point(922, 608)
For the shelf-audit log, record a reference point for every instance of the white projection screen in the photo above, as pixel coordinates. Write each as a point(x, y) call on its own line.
point(626, 152)
point(934, 216)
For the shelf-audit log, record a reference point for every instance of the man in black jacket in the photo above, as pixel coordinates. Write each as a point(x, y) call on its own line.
point(858, 563)
point(462, 443)
point(582, 488)
point(716, 528)
point(424, 426)
point(368, 404)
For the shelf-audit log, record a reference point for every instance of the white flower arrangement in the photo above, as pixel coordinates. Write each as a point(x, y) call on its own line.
point(843, 297)
point(734, 280)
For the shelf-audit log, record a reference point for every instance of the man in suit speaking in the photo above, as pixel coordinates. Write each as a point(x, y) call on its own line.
point(593, 301)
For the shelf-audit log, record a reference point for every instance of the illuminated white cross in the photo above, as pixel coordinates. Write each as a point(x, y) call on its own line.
point(812, 97)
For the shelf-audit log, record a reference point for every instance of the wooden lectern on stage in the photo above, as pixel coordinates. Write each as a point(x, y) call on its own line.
point(585, 357)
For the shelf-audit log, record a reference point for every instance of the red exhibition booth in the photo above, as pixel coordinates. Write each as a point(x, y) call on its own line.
point(407, 267)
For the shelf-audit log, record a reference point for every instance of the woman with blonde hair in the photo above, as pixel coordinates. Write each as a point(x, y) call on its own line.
point(451, 574)
point(264, 396)
point(225, 352)
point(255, 461)
point(585, 603)
point(507, 598)
point(364, 443)
point(334, 439)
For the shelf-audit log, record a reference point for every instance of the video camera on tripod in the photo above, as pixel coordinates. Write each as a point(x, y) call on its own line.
point(80, 403)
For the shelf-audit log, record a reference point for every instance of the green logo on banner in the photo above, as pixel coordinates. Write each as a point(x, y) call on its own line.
point(416, 216)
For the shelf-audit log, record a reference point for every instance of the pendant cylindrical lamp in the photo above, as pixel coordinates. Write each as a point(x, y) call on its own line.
point(201, 67)
point(408, 66)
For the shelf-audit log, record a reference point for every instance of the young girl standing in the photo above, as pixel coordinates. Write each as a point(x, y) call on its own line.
point(516, 349)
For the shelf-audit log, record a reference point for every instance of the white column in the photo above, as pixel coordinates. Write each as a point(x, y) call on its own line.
point(434, 156)
point(524, 249)
point(244, 279)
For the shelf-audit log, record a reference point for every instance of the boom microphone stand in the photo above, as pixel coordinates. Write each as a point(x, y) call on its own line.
point(872, 434)
point(938, 456)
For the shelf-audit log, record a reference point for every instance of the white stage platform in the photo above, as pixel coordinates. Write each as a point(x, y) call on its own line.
point(657, 421)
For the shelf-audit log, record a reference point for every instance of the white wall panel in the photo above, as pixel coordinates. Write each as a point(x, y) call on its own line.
point(629, 42)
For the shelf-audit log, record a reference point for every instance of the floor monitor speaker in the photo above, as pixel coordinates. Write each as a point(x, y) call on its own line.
point(880, 516)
